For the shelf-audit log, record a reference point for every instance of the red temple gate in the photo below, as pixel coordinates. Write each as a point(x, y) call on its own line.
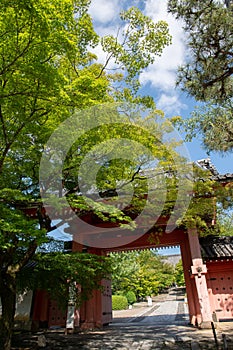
point(93, 312)
point(208, 272)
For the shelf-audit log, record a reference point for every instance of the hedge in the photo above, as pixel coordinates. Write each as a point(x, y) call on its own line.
point(119, 302)
point(131, 297)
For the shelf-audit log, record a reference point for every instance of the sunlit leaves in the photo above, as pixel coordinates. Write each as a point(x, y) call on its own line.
point(137, 45)
point(143, 272)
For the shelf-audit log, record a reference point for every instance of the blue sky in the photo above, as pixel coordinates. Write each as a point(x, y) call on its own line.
point(158, 80)
point(169, 251)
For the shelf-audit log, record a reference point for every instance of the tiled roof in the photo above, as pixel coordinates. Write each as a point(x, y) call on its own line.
point(223, 178)
point(207, 165)
point(214, 247)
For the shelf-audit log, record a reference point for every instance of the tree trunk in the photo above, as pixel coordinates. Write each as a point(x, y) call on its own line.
point(8, 300)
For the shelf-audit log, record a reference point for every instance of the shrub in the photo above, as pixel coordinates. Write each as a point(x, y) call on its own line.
point(119, 302)
point(131, 297)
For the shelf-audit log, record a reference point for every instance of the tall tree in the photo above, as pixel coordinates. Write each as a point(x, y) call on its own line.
point(207, 76)
point(47, 71)
point(39, 43)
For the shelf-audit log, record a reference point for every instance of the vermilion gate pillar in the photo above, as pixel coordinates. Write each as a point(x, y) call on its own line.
point(195, 278)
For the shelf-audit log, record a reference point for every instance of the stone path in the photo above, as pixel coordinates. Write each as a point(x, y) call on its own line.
point(166, 309)
point(129, 337)
point(162, 327)
point(170, 311)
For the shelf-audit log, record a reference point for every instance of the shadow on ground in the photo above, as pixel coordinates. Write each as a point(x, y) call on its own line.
point(127, 337)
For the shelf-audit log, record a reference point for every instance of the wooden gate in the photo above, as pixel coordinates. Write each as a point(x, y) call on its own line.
point(57, 316)
point(106, 302)
point(220, 289)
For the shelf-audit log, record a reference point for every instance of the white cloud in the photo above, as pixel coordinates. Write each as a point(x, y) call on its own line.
point(170, 104)
point(159, 77)
point(162, 74)
point(104, 11)
point(103, 30)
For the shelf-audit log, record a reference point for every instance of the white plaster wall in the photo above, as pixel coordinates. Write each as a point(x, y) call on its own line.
point(23, 306)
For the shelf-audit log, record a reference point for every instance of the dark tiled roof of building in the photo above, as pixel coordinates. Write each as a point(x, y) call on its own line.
point(206, 164)
point(214, 247)
point(223, 178)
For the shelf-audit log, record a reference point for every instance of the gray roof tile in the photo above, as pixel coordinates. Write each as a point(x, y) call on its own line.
point(215, 247)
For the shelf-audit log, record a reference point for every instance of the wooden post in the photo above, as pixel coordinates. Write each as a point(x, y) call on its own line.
point(192, 298)
point(198, 271)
